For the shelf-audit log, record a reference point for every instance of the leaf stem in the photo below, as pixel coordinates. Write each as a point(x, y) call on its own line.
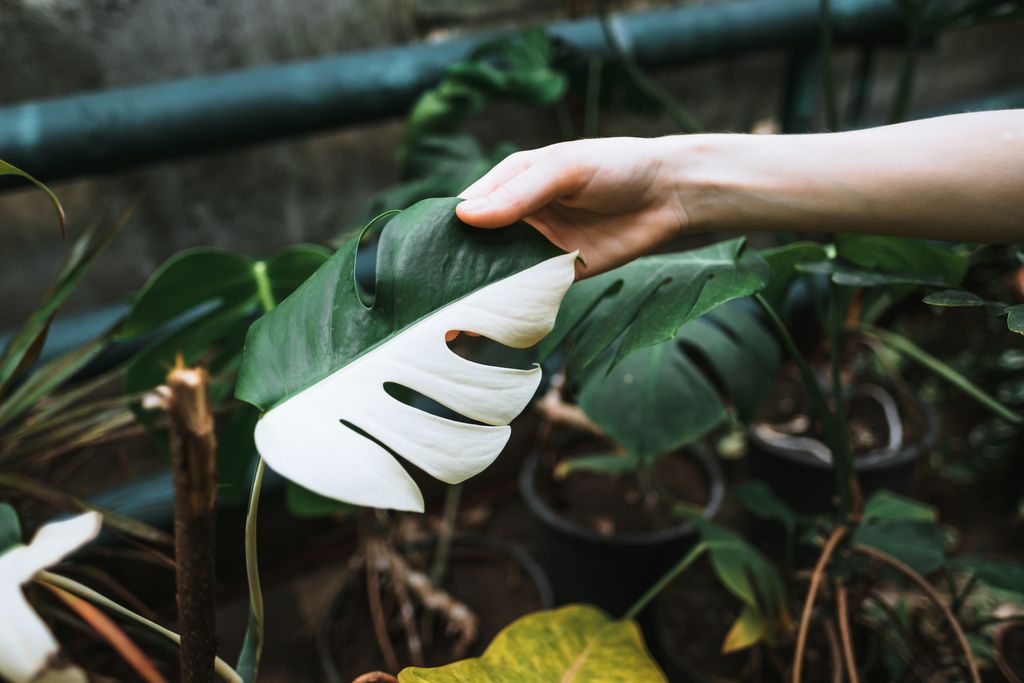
point(910, 350)
point(452, 496)
point(252, 645)
point(263, 287)
point(672, 573)
point(252, 648)
point(842, 460)
point(221, 667)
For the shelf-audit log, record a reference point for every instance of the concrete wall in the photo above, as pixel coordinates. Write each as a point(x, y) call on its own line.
point(262, 197)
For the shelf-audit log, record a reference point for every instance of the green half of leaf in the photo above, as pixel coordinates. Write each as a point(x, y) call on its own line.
point(646, 301)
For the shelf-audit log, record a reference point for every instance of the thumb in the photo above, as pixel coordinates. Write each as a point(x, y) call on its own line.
point(523, 195)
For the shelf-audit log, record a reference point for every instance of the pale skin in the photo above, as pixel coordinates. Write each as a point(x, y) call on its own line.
point(957, 178)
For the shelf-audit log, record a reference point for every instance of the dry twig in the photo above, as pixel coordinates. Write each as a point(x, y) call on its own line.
point(812, 594)
point(934, 596)
point(843, 617)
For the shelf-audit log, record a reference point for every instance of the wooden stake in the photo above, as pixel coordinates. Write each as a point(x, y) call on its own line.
point(193, 457)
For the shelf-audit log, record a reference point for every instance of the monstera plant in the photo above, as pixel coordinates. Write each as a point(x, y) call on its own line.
point(327, 366)
point(319, 364)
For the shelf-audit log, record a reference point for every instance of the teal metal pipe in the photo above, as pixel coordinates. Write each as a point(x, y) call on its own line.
point(119, 128)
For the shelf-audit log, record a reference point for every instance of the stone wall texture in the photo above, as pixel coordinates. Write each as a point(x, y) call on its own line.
point(310, 189)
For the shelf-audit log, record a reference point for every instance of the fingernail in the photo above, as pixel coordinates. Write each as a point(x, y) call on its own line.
point(474, 205)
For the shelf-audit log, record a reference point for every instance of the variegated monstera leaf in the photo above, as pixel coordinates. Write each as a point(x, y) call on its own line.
point(318, 365)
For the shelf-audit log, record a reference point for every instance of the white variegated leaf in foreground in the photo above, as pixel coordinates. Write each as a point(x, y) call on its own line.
point(318, 364)
point(307, 440)
point(28, 650)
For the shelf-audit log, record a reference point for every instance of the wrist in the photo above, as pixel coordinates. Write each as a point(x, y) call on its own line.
point(710, 176)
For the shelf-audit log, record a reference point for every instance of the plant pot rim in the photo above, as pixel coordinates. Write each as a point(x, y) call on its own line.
point(875, 460)
point(552, 519)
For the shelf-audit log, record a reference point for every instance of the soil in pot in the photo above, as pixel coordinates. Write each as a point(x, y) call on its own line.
point(600, 541)
point(497, 584)
point(888, 433)
point(614, 504)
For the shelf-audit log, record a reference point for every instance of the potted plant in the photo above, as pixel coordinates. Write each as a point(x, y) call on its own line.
point(604, 496)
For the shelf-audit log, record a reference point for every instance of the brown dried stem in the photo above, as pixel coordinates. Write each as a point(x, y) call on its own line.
point(193, 460)
point(380, 626)
point(843, 617)
point(934, 596)
point(812, 594)
point(834, 654)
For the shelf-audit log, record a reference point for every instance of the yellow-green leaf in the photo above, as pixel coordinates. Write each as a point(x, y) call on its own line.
point(572, 644)
point(748, 629)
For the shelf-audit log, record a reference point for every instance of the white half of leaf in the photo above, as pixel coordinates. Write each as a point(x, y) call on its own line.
point(305, 440)
point(27, 647)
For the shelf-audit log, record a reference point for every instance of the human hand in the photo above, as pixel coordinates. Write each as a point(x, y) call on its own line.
point(613, 199)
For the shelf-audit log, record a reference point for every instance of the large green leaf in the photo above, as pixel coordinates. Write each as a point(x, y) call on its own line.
point(9, 169)
point(328, 416)
point(646, 302)
point(660, 397)
point(573, 644)
point(653, 401)
point(742, 353)
point(221, 291)
point(426, 259)
point(943, 262)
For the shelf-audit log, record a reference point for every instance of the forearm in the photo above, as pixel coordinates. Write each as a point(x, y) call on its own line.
point(956, 177)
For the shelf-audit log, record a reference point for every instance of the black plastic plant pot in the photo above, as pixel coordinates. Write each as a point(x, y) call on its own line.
point(345, 649)
point(610, 571)
point(807, 483)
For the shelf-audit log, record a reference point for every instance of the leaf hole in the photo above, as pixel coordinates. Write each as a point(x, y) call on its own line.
point(415, 399)
point(484, 350)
